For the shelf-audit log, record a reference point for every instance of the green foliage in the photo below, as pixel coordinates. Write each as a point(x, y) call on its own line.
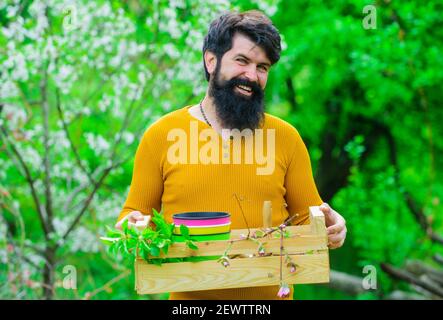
point(368, 101)
point(149, 243)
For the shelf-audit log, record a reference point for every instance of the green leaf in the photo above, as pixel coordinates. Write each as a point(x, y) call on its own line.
point(145, 246)
point(161, 243)
point(191, 245)
point(109, 241)
point(166, 248)
point(184, 230)
point(113, 248)
point(125, 226)
point(155, 252)
point(125, 248)
point(113, 232)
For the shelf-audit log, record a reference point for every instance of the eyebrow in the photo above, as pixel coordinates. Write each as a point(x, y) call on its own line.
point(240, 55)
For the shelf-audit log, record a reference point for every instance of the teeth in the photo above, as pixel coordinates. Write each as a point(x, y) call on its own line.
point(245, 88)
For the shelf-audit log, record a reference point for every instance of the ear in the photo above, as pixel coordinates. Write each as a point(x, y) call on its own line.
point(210, 61)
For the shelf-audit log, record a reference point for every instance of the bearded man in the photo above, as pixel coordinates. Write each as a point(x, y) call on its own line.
point(238, 53)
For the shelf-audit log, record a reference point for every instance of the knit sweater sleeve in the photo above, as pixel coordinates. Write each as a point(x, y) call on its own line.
point(146, 187)
point(301, 191)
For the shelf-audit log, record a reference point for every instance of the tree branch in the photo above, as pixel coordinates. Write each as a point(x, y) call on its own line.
point(89, 199)
point(401, 295)
point(347, 283)
point(419, 268)
point(291, 94)
point(68, 136)
point(46, 156)
point(438, 258)
point(409, 277)
point(30, 181)
point(422, 219)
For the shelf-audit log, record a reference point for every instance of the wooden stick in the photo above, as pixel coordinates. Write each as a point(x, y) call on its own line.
point(267, 214)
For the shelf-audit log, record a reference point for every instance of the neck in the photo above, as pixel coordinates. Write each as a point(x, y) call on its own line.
point(209, 109)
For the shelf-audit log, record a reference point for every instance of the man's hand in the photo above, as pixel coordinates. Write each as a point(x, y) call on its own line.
point(133, 217)
point(335, 226)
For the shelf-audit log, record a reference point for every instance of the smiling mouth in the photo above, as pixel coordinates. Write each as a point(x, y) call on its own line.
point(245, 90)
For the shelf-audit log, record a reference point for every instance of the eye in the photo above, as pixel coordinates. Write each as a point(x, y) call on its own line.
point(263, 68)
point(242, 61)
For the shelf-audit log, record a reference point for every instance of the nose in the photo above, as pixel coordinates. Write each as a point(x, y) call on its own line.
point(251, 73)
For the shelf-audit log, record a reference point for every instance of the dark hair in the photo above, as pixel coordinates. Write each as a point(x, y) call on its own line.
point(253, 24)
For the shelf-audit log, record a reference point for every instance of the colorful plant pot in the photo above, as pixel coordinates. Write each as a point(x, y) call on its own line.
point(210, 230)
point(203, 223)
point(212, 237)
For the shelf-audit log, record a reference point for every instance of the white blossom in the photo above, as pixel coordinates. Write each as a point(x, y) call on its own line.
point(83, 240)
point(15, 116)
point(61, 225)
point(97, 143)
point(171, 51)
point(31, 157)
point(104, 103)
point(128, 137)
point(8, 89)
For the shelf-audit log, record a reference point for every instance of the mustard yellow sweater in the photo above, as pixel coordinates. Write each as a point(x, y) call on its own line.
point(170, 175)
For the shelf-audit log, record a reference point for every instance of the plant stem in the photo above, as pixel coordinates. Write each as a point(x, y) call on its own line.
point(281, 256)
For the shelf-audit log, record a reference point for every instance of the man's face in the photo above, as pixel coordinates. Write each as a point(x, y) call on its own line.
point(237, 84)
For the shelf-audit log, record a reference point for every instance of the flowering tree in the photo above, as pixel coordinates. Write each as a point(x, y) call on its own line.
point(80, 81)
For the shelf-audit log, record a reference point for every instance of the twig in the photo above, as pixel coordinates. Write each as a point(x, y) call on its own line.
point(281, 255)
point(243, 214)
point(68, 136)
point(30, 180)
point(89, 199)
point(107, 285)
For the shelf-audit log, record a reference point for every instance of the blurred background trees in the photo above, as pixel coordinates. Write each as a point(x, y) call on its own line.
point(81, 80)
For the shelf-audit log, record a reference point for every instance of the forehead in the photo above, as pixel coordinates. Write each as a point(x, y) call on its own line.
point(241, 44)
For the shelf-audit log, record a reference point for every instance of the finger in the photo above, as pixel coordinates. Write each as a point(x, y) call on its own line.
point(118, 225)
point(325, 208)
point(337, 237)
point(131, 217)
point(330, 218)
point(135, 216)
point(336, 228)
point(139, 218)
point(336, 244)
point(337, 240)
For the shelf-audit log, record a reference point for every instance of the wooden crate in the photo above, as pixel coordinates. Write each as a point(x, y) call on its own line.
point(307, 247)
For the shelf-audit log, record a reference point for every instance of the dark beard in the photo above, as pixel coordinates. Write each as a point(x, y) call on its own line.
point(234, 110)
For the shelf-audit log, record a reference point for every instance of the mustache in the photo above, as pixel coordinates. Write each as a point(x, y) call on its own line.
point(256, 89)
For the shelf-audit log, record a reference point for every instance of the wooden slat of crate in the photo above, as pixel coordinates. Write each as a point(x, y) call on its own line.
point(294, 244)
point(300, 230)
point(243, 272)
